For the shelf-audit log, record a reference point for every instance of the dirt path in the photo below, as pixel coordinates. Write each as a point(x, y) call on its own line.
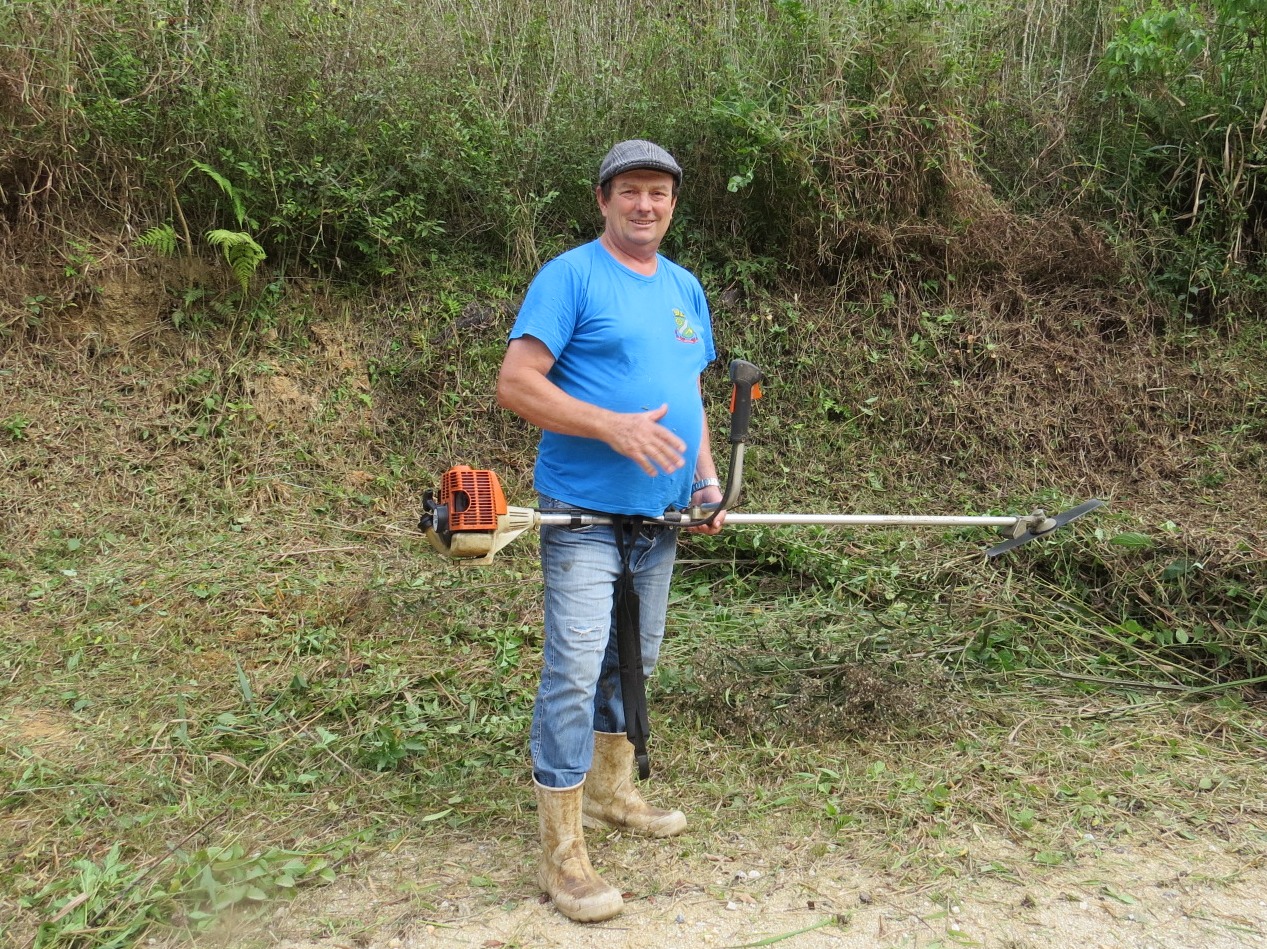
point(804, 894)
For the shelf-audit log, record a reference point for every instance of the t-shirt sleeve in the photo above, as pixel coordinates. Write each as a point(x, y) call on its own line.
point(550, 307)
point(710, 349)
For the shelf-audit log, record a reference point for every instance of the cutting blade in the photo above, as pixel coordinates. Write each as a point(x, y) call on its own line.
point(1060, 520)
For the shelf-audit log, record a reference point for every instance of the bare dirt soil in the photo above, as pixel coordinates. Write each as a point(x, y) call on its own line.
point(805, 893)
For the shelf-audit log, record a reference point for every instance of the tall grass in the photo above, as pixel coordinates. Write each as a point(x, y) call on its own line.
point(372, 135)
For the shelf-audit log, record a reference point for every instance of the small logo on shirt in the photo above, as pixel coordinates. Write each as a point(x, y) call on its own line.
point(683, 330)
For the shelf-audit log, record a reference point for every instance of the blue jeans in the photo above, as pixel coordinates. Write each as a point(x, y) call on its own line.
point(580, 690)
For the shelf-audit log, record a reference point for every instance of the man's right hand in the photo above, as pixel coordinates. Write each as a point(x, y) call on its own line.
point(640, 437)
point(525, 389)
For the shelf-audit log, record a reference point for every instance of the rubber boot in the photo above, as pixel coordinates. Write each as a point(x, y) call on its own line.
point(611, 799)
point(565, 873)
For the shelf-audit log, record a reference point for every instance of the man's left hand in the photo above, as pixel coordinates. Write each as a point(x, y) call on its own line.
point(709, 495)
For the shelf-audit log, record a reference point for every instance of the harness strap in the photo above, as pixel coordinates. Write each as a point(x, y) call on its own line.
point(633, 690)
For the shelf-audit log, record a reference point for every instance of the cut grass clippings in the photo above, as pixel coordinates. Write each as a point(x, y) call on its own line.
point(233, 670)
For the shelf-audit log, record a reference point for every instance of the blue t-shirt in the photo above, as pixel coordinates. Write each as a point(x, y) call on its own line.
point(628, 343)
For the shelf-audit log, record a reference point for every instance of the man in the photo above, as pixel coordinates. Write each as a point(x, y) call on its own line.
point(605, 357)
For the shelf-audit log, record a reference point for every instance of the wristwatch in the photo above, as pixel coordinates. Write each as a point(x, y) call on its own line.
point(703, 483)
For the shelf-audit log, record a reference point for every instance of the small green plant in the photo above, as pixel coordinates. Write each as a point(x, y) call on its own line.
point(220, 878)
point(315, 640)
point(35, 305)
point(242, 252)
point(79, 257)
point(112, 902)
point(16, 426)
point(100, 903)
point(386, 747)
point(161, 238)
point(191, 310)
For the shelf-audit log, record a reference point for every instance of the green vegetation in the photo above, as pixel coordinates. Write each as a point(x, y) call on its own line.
point(372, 138)
point(260, 260)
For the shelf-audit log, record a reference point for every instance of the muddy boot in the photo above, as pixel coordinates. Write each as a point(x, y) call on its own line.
point(611, 799)
point(565, 872)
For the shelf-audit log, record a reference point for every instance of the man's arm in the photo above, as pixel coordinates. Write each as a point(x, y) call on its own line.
point(524, 388)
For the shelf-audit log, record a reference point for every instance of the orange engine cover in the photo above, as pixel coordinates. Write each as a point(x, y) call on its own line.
point(474, 498)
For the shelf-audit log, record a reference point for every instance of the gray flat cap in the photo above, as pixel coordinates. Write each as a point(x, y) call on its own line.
point(637, 153)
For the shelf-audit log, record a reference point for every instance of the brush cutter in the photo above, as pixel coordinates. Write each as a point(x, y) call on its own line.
point(470, 521)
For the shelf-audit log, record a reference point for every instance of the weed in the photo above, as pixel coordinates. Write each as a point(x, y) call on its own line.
point(16, 426)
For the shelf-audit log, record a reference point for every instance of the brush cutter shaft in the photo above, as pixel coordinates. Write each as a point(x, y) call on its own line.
point(875, 520)
point(566, 519)
point(478, 544)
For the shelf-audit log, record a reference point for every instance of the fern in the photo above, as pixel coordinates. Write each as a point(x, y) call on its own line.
point(239, 209)
point(241, 251)
point(162, 238)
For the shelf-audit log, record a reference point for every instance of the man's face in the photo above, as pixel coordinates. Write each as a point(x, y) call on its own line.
point(639, 210)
